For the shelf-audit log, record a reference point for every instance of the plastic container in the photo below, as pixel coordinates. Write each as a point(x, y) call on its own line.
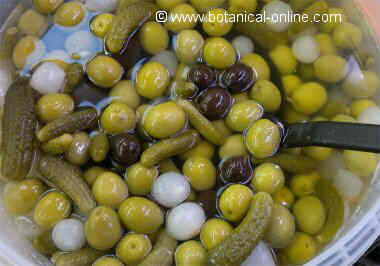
point(361, 228)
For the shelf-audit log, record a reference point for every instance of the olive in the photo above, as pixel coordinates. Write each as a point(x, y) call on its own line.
point(214, 103)
point(125, 149)
point(238, 78)
point(207, 199)
point(203, 76)
point(237, 169)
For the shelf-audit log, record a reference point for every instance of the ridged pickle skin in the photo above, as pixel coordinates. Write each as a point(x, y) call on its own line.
point(162, 253)
point(19, 123)
point(82, 257)
point(71, 123)
point(167, 148)
point(239, 245)
point(129, 15)
point(67, 178)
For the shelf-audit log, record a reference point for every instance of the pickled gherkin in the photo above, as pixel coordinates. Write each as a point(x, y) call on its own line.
point(239, 245)
point(67, 178)
point(129, 15)
point(162, 253)
point(70, 123)
point(82, 257)
point(167, 148)
point(19, 123)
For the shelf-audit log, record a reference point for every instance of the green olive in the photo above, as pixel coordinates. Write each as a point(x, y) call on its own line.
point(347, 36)
point(190, 253)
point(202, 149)
point(361, 163)
point(32, 23)
point(282, 227)
point(290, 115)
point(164, 120)
point(263, 138)
point(204, 6)
point(258, 65)
point(169, 4)
point(176, 25)
point(302, 249)
point(99, 147)
point(326, 44)
point(141, 215)
point(267, 94)
point(152, 80)
point(23, 49)
point(92, 173)
point(188, 46)
point(107, 261)
point(20, 198)
point(234, 146)
point(242, 6)
point(110, 190)
point(284, 197)
point(306, 72)
point(70, 14)
point(284, 59)
point(154, 37)
point(47, 6)
point(318, 153)
point(309, 98)
point(102, 228)
point(240, 97)
point(74, 75)
point(78, 151)
point(118, 118)
point(101, 24)
point(331, 68)
point(133, 248)
point(201, 173)
point(219, 27)
point(44, 243)
point(242, 114)
point(51, 209)
point(304, 185)
point(219, 53)
point(235, 202)
point(359, 106)
point(268, 177)
point(140, 179)
point(104, 71)
point(214, 231)
point(361, 84)
point(340, 17)
point(310, 214)
point(125, 92)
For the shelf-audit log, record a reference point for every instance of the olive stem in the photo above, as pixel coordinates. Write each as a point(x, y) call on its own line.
point(351, 136)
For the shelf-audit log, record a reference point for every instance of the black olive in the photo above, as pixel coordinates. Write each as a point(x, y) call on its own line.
point(214, 103)
point(237, 169)
point(207, 199)
point(238, 78)
point(125, 149)
point(203, 76)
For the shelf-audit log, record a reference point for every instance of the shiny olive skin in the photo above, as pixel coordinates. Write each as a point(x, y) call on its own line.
point(203, 76)
point(237, 169)
point(214, 103)
point(125, 149)
point(238, 78)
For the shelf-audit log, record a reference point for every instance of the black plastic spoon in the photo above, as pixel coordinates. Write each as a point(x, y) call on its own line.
point(349, 136)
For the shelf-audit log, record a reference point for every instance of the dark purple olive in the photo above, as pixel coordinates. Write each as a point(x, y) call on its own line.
point(238, 78)
point(203, 76)
point(125, 149)
point(236, 170)
point(207, 199)
point(214, 103)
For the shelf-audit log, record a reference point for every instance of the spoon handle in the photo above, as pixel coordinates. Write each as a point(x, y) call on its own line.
point(350, 136)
